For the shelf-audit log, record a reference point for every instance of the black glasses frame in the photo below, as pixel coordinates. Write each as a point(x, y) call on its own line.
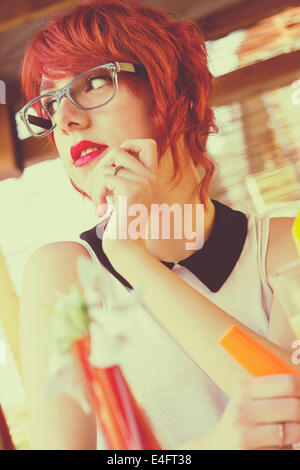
point(113, 67)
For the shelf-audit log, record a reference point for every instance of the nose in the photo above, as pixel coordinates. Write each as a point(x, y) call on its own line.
point(68, 117)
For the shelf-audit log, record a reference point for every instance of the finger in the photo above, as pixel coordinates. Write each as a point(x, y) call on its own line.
point(272, 386)
point(146, 150)
point(112, 185)
point(103, 188)
point(95, 178)
point(274, 410)
point(103, 207)
point(123, 173)
point(119, 156)
point(105, 170)
point(267, 435)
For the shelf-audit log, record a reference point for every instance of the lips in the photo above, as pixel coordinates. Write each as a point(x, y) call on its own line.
point(76, 151)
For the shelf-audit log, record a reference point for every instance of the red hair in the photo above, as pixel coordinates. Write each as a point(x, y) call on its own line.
point(172, 52)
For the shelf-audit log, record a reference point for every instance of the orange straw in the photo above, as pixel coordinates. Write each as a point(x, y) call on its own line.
point(252, 355)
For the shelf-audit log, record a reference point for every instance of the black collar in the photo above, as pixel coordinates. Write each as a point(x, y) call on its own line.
point(212, 264)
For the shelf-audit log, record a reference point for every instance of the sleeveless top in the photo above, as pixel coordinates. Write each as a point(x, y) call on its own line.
point(180, 399)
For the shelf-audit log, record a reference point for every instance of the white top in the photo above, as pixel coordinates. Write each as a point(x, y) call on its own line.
point(179, 398)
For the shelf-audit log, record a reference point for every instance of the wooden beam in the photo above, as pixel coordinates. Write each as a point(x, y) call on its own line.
point(36, 151)
point(8, 149)
point(262, 76)
point(20, 12)
point(242, 16)
point(198, 9)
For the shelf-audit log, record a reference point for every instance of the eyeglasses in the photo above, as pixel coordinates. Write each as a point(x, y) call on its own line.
point(89, 90)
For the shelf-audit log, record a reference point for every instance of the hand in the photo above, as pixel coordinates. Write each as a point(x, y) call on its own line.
point(136, 181)
point(252, 418)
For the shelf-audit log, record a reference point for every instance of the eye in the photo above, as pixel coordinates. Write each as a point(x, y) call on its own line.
point(49, 106)
point(94, 83)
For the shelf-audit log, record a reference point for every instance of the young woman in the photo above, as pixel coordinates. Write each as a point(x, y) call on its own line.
point(122, 91)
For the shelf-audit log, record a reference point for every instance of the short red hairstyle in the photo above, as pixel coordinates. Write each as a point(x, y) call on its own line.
point(172, 52)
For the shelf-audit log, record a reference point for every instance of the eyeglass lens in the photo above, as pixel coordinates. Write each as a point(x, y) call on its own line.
point(91, 90)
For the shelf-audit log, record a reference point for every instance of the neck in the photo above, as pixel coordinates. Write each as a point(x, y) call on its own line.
point(174, 249)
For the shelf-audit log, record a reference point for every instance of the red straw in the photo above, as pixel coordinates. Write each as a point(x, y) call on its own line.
point(123, 422)
point(103, 397)
point(5, 438)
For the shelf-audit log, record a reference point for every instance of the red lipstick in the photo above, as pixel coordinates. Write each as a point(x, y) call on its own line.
point(96, 150)
point(87, 158)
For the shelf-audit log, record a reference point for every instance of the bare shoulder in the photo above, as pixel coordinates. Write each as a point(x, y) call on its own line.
point(57, 251)
point(56, 259)
point(281, 246)
point(50, 268)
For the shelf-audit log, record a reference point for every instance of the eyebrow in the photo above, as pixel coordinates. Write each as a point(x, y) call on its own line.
point(46, 84)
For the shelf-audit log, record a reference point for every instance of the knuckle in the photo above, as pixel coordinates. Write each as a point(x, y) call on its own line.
point(290, 384)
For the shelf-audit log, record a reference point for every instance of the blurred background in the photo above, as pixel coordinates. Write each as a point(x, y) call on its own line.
point(254, 55)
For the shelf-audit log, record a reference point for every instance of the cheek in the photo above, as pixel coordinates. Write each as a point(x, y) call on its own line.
point(133, 114)
point(135, 121)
